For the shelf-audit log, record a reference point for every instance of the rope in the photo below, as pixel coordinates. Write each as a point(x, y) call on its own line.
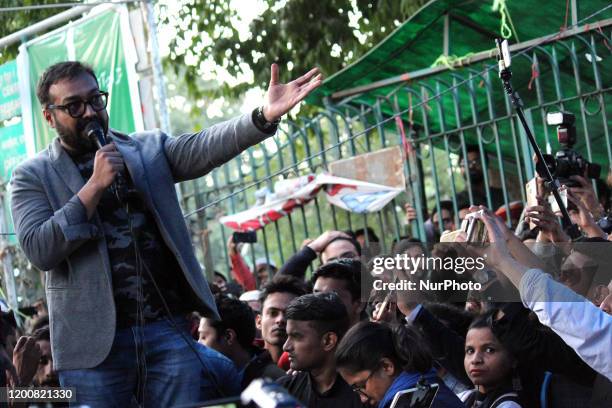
point(534, 74)
point(564, 26)
point(505, 30)
point(452, 61)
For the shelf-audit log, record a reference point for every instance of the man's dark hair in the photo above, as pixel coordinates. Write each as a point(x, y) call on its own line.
point(282, 284)
point(42, 334)
point(238, 316)
point(350, 239)
point(220, 275)
point(444, 205)
point(348, 270)
point(325, 312)
point(58, 72)
point(372, 237)
point(451, 316)
point(366, 343)
point(40, 322)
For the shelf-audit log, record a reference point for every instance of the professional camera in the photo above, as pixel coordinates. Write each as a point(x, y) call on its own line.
point(567, 162)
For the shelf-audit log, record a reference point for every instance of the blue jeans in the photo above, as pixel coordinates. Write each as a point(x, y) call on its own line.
point(152, 365)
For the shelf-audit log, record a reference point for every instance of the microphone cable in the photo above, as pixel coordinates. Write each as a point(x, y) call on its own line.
point(94, 131)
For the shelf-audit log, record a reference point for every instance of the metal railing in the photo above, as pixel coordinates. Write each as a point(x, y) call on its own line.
point(450, 109)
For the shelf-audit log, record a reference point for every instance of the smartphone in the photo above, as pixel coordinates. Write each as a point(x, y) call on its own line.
point(474, 228)
point(248, 237)
point(554, 206)
point(421, 396)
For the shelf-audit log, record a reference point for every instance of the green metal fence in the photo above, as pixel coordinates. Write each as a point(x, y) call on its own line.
point(442, 111)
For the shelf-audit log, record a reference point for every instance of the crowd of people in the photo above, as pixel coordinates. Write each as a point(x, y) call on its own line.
point(326, 336)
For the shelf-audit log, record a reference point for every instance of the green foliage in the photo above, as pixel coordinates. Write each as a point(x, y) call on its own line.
point(296, 34)
point(13, 21)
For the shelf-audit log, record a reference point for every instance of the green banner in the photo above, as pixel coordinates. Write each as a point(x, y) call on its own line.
point(10, 105)
point(98, 42)
point(12, 149)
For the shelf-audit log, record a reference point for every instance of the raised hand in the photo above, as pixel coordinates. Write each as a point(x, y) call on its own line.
point(543, 217)
point(324, 239)
point(281, 98)
point(26, 356)
point(583, 217)
point(411, 214)
point(586, 195)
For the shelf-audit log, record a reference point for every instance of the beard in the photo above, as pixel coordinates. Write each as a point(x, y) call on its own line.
point(76, 139)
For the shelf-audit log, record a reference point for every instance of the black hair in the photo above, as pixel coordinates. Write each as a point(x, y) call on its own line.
point(484, 320)
point(444, 205)
point(372, 237)
point(603, 193)
point(282, 284)
point(350, 239)
point(42, 334)
point(325, 312)
point(220, 275)
point(366, 343)
point(58, 72)
point(405, 243)
point(348, 270)
point(451, 316)
point(239, 317)
point(40, 322)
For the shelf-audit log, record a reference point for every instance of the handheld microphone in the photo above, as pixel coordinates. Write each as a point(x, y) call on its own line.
point(94, 132)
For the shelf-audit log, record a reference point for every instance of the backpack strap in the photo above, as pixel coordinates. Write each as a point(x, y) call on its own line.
point(509, 396)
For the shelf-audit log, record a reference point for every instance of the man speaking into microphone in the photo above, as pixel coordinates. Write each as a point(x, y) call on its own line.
point(121, 271)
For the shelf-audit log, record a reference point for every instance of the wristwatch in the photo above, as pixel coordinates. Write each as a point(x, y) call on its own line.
point(262, 123)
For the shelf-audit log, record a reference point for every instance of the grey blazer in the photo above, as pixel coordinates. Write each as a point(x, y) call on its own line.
point(56, 236)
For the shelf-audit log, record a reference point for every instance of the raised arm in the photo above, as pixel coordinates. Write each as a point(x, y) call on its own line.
point(193, 155)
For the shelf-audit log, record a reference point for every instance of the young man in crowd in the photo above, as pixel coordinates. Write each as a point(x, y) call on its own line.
point(329, 246)
point(474, 175)
point(315, 324)
point(233, 336)
point(343, 277)
point(444, 219)
point(275, 297)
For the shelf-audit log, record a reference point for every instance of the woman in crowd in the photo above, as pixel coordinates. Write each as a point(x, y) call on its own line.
point(379, 360)
point(491, 368)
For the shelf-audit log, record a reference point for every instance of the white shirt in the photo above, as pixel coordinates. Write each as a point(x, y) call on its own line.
point(584, 327)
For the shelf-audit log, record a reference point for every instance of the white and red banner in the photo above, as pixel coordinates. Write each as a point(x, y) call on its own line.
point(351, 195)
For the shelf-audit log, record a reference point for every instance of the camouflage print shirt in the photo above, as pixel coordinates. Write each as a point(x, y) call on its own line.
point(155, 257)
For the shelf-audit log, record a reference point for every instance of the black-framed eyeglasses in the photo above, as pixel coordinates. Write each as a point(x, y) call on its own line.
point(77, 109)
point(360, 388)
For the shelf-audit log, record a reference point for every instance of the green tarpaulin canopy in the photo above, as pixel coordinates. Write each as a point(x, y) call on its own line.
point(465, 28)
